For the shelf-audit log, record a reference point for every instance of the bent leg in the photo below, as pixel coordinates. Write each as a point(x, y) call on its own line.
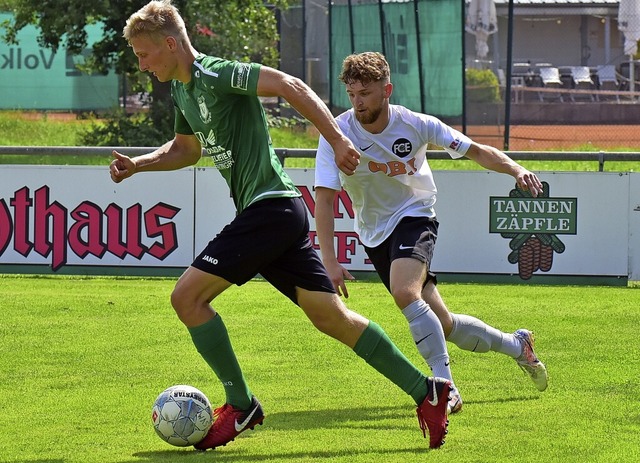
point(472, 334)
point(329, 315)
point(467, 332)
point(191, 300)
point(407, 278)
point(431, 295)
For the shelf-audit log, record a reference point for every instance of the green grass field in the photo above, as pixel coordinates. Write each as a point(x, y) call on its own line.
point(33, 129)
point(84, 358)
point(39, 129)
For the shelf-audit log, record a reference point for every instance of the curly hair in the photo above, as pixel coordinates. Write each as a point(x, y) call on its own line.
point(364, 67)
point(157, 18)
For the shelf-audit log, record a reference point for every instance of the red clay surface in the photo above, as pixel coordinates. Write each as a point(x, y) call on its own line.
point(559, 137)
point(521, 137)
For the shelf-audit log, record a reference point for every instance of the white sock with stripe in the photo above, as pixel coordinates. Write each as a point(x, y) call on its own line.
point(428, 335)
point(474, 335)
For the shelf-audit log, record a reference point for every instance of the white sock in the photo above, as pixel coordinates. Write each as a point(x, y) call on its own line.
point(428, 335)
point(471, 334)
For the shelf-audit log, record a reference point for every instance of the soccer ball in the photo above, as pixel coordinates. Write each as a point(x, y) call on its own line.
point(181, 415)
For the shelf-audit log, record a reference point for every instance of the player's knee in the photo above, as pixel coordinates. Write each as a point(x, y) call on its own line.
point(321, 323)
point(182, 303)
point(330, 318)
point(404, 296)
point(326, 321)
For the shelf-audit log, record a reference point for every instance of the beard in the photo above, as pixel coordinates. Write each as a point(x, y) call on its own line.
point(369, 116)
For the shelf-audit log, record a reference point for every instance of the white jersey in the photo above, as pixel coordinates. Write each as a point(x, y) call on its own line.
point(394, 179)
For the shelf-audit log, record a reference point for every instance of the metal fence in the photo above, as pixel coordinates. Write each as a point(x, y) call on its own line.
point(533, 75)
point(600, 157)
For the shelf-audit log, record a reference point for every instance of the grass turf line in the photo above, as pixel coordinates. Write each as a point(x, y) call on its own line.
point(84, 358)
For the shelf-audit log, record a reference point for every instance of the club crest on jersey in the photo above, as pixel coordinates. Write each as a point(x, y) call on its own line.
point(402, 147)
point(205, 115)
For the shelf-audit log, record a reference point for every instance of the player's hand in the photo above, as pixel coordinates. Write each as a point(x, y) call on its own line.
point(347, 157)
point(528, 181)
point(121, 167)
point(338, 274)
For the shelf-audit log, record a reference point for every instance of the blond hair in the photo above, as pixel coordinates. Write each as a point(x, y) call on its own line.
point(365, 68)
point(157, 18)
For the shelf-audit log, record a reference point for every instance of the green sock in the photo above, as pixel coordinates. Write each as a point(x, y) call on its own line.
point(375, 347)
point(212, 341)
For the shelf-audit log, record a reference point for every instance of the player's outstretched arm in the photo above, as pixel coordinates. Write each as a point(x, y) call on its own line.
point(182, 151)
point(493, 159)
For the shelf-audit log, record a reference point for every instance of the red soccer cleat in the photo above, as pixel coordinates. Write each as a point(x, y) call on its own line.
point(229, 423)
point(432, 412)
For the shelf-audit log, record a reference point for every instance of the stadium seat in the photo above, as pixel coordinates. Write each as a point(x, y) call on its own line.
point(550, 77)
point(581, 77)
point(608, 80)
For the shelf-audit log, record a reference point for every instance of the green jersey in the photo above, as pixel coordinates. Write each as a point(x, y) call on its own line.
point(221, 108)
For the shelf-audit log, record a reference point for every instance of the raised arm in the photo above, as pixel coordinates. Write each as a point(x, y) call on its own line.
point(493, 159)
point(304, 100)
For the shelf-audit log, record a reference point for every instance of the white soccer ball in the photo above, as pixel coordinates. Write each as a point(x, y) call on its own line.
point(182, 415)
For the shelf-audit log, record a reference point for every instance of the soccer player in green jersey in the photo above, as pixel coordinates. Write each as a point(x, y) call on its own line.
point(218, 110)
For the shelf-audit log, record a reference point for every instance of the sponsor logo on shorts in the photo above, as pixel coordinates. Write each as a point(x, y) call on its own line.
point(455, 144)
point(211, 260)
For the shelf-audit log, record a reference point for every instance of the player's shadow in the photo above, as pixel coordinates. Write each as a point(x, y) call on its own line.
point(362, 418)
point(371, 418)
point(233, 455)
point(503, 400)
point(375, 418)
point(43, 460)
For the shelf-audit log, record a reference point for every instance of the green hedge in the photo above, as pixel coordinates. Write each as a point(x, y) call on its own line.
point(482, 86)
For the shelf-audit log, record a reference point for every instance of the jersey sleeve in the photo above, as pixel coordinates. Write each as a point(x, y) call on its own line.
point(180, 124)
point(455, 143)
point(235, 77)
point(327, 173)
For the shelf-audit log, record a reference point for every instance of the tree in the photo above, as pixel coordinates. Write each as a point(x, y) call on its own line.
point(236, 29)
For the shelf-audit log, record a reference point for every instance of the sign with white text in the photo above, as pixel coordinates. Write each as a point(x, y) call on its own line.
point(36, 77)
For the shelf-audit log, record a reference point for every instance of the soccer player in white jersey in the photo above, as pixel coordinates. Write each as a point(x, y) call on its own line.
point(393, 194)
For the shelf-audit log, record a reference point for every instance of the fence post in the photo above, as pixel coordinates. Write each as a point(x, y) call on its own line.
point(601, 161)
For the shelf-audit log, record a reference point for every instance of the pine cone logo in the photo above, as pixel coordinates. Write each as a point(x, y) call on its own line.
point(532, 225)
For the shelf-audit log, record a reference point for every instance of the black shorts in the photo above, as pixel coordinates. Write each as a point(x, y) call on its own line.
point(413, 237)
point(270, 238)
